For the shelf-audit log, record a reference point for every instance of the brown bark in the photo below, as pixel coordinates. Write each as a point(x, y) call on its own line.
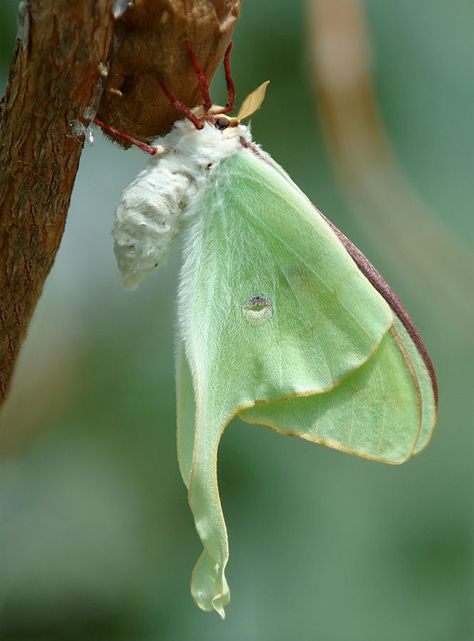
point(152, 38)
point(52, 80)
point(56, 82)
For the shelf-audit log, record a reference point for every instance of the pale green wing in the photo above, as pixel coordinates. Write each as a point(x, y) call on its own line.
point(408, 339)
point(425, 381)
point(270, 306)
point(185, 414)
point(375, 412)
point(208, 585)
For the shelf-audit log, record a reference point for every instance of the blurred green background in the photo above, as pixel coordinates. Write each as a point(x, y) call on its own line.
point(97, 541)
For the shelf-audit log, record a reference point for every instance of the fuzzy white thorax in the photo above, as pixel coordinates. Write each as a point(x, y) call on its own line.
point(155, 205)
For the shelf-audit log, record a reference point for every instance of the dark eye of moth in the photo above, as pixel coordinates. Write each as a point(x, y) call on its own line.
point(221, 123)
point(257, 307)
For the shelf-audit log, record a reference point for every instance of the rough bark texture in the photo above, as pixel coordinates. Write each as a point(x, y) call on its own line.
point(57, 77)
point(52, 81)
point(151, 40)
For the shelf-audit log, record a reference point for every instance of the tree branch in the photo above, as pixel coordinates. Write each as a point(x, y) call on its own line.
point(58, 73)
point(51, 83)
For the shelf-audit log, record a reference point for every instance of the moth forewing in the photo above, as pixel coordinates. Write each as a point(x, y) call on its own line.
point(418, 358)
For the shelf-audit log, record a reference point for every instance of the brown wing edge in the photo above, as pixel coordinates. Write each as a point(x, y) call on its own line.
point(384, 289)
point(365, 266)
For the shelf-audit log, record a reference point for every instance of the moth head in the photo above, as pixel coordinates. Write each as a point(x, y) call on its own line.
point(220, 120)
point(249, 106)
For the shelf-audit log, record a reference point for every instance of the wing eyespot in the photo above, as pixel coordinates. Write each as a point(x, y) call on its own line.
point(257, 307)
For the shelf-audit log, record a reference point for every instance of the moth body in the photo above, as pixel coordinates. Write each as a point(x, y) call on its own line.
point(155, 206)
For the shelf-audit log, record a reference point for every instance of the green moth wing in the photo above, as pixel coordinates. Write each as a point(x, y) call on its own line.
point(278, 324)
point(409, 340)
point(375, 412)
point(426, 382)
point(282, 321)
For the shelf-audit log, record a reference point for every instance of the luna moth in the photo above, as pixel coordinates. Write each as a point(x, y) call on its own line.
point(282, 321)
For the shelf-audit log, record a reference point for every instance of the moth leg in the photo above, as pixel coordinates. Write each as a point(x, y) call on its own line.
point(149, 149)
point(230, 83)
point(200, 77)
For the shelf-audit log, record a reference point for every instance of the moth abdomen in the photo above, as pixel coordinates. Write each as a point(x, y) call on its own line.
point(149, 219)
